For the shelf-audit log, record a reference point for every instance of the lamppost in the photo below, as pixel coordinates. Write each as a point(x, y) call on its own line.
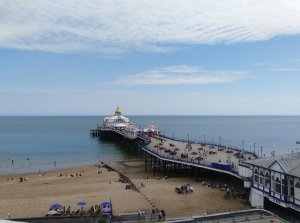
point(243, 143)
point(273, 153)
point(254, 147)
point(261, 150)
point(219, 140)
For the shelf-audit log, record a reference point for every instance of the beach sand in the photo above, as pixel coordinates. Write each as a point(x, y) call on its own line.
point(34, 197)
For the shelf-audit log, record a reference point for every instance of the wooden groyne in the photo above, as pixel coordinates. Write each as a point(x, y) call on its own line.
point(123, 177)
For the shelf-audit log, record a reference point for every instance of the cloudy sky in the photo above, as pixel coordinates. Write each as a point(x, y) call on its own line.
point(171, 57)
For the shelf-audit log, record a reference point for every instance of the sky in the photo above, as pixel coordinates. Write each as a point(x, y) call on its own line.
point(171, 57)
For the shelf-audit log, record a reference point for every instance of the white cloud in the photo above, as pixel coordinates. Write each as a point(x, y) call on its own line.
point(116, 26)
point(176, 75)
point(284, 69)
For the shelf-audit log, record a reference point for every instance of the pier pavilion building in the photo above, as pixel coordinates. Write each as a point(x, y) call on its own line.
point(273, 179)
point(116, 120)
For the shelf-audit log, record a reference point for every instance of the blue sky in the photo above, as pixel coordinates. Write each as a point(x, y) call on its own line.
point(150, 57)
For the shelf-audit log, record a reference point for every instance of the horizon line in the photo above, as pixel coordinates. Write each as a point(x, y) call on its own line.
point(92, 115)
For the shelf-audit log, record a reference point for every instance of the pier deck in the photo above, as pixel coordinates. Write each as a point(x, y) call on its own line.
point(201, 155)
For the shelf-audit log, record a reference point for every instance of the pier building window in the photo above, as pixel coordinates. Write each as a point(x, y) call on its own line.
point(267, 180)
point(277, 185)
point(261, 177)
point(255, 176)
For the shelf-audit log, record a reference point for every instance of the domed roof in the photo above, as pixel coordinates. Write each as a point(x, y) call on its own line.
point(118, 110)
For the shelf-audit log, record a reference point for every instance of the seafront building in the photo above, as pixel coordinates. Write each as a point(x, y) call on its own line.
point(273, 179)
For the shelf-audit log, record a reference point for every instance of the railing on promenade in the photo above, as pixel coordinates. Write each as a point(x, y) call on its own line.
point(233, 216)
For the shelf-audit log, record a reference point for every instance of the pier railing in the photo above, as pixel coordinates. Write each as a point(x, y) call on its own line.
point(211, 144)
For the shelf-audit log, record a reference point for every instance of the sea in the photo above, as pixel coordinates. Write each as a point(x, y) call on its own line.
point(43, 143)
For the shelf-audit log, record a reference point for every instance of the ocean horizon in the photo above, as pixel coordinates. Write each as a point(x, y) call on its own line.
point(34, 143)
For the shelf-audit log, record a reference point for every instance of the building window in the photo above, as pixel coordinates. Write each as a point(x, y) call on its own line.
point(291, 191)
point(272, 181)
point(283, 187)
point(256, 176)
point(267, 180)
point(277, 185)
point(261, 177)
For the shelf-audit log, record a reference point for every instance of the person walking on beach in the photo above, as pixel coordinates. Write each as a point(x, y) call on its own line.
point(8, 217)
point(139, 215)
point(163, 213)
point(152, 214)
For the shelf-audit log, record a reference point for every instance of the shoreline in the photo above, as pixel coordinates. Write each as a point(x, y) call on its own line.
point(49, 169)
point(97, 184)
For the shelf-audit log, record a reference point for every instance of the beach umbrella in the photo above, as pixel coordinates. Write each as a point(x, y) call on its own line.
point(81, 203)
point(105, 203)
point(55, 206)
point(106, 210)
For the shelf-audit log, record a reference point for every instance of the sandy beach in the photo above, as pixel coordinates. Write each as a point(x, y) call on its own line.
point(93, 185)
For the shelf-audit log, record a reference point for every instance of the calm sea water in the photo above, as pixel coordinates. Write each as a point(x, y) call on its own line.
point(34, 143)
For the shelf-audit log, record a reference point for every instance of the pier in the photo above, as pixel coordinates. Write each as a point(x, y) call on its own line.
point(168, 154)
point(95, 132)
point(119, 135)
point(171, 156)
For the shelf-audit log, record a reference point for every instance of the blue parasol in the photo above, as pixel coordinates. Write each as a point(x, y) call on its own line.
point(105, 203)
point(55, 206)
point(106, 210)
point(81, 203)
